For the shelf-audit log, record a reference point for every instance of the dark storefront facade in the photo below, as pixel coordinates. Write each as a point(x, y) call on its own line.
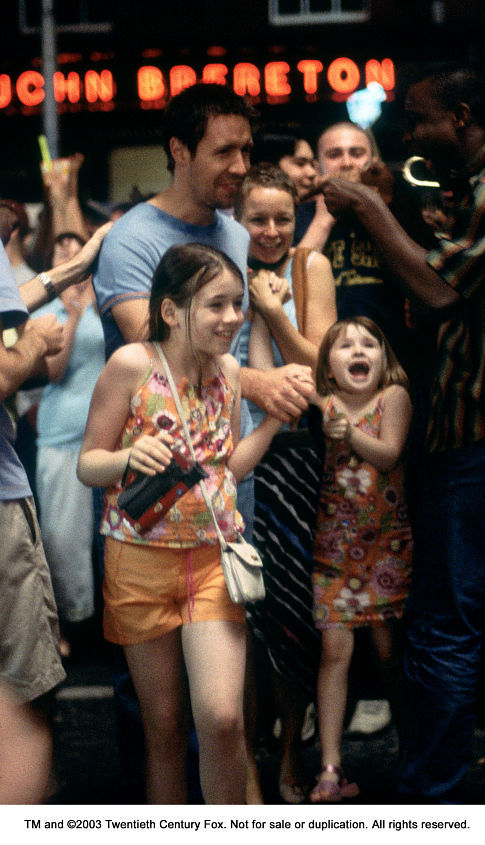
point(296, 59)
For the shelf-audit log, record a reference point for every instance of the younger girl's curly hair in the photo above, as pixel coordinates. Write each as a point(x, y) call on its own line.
point(392, 372)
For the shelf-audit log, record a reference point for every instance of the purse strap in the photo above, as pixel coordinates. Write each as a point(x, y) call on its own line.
point(181, 414)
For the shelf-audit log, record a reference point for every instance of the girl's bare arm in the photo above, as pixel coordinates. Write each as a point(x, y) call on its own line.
point(382, 452)
point(100, 463)
point(248, 451)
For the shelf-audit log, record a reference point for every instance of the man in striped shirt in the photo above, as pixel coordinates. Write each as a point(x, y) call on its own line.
point(446, 609)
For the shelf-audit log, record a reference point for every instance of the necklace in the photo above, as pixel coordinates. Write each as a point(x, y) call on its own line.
point(255, 264)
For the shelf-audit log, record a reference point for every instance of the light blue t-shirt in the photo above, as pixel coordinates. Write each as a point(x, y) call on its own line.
point(13, 479)
point(133, 249)
point(64, 406)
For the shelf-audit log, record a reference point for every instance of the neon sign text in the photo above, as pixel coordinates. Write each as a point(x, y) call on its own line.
point(276, 79)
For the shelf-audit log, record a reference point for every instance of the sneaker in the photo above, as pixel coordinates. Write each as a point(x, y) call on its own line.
point(308, 727)
point(370, 717)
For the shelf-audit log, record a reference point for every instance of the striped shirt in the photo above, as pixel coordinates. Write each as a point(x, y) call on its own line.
point(458, 393)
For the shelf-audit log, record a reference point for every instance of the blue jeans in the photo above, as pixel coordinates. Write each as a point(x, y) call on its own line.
point(444, 626)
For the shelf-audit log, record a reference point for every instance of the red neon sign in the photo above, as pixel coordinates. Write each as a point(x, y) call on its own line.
point(215, 73)
point(381, 72)
point(276, 79)
point(310, 68)
point(5, 90)
point(30, 88)
point(343, 76)
point(150, 83)
point(154, 86)
point(99, 86)
point(181, 76)
point(67, 87)
point(246, 78)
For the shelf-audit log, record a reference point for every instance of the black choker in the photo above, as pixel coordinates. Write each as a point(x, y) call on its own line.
point(256, 265)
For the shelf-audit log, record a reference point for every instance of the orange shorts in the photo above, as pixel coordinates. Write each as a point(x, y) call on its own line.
point(150, 591)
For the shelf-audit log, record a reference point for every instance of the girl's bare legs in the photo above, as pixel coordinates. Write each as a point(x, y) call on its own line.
point(215, 657)
point(337, 647)
point(251, 704)
point(387, 642)
point(156, 668)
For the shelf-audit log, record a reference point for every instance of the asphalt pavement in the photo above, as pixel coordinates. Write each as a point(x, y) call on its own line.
point(88, 771)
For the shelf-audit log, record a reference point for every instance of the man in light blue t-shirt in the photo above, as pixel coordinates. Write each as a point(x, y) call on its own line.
point(207, 138)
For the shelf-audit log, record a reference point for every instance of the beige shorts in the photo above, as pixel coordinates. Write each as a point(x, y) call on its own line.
point(150, 591)
point(30, 661)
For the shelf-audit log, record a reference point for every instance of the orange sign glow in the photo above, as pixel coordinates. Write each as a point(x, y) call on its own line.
point(215, 73)
point(67, 87)
point(275, 80)
point(150, 83)
point(99, 86)
point(310, 68)
point(246, 80)
point(30, 88)
point(181, 76)
point(381, 72)
point(5, 90)
point(343, 76)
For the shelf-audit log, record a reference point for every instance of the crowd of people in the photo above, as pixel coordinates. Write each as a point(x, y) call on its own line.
point(327, 346)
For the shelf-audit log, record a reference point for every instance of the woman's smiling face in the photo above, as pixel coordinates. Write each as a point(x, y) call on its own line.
point(269, 217)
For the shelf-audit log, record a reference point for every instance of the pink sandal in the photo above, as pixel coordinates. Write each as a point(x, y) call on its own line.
point(331, 790)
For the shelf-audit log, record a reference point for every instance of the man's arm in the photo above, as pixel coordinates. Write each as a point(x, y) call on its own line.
point(318, 232)
point(34, 293)
point(282, 392)
point(38, 338)
point(404, 257)
point(131, 316)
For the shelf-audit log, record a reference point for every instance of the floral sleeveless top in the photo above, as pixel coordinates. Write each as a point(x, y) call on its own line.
point(208, 416)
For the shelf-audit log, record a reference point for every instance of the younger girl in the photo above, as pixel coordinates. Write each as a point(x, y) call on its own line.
point(165, 596)
point(363, 540)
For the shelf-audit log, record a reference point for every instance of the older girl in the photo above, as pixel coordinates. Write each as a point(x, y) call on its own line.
point(165, 596)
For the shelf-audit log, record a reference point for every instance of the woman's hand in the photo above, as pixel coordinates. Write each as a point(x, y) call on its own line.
point(151, 454)
point(268, 291)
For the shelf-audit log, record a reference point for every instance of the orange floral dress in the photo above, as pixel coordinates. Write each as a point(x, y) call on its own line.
point(363, 542)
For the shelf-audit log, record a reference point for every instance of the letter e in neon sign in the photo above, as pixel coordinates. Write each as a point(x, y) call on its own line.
point(275, 79)
point(215, 73)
